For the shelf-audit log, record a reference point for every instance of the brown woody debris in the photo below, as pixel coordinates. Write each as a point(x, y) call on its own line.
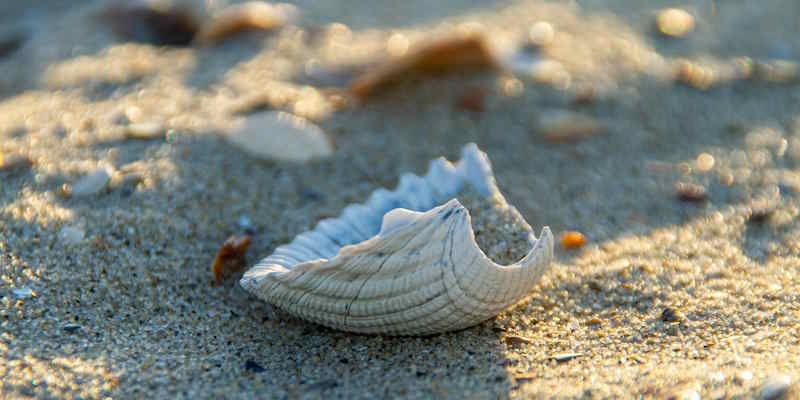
point(230, 258)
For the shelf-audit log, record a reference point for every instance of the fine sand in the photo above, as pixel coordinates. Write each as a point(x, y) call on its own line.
point(109, 295)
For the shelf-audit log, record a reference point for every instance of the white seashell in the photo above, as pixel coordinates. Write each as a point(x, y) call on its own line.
point(399, 264)
point(277, 135)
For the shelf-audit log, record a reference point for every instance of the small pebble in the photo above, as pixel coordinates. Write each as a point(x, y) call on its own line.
point(145, 131)
point(572, 240)
point(560, 126)
point(674, 22)
point(276, 135)
point(11, 42)
point(541, 33)
point(439, 56)
point(515, 340)
point(23, 292)
point(71, 328)
point(71, 235)
point(669, 314)
point(691, 192)
point(91, 184)
point(244, 17)
point(704, 162)
point(778, 388)
point(253, 366)
point(158, 23)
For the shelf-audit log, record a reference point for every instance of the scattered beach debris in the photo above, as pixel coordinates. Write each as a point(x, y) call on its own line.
point(230, 258)
point(704, 75)
point(564, 357)
point(10, 42)
point(253, 366)
point(572, 240)
point(277, 135)
point(437, 57)
point(472, 99)
point(244, 17)
point(158, 22)
point(23, 292)
point(704, 162)
point(541, 34)
point(562, 126)
point(778, 71)
point(71, 235)
point(674, 22)
point(145, 131)
point(514, 340)
point(13, 162)
point(91, 184)
point(779, 387)
point(669, 314)
point(344, 252)
point(691, 192)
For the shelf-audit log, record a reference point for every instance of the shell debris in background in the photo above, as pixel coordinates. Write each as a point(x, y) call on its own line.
point(277, 135)
point(437, 57)
point(244, 17)
point(406, 262)
point(674, 22)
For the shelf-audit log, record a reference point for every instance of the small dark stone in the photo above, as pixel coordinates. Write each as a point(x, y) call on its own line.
point(253, 366)
point(11, 43)
point(669, 314)
point(344, 360)
point(71, 328)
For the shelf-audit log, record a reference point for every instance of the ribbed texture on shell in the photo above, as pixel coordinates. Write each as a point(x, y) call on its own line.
point(385, 267)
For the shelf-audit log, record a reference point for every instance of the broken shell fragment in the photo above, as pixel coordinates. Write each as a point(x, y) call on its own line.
point(249, 16)
point(277, 135)
point(438, 57)
point(406, 262)
point(230, 257)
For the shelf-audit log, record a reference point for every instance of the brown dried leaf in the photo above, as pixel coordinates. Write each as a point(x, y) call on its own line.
point(230, 258)
point(433, 58)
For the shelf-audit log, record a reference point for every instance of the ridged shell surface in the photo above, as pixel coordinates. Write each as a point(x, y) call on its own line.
point(404, 263)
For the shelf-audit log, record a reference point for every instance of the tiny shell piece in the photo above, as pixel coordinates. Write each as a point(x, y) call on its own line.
point(249, 16)
point(401, 264)
point(230, 257)
point(433, 58)
point(278, 135)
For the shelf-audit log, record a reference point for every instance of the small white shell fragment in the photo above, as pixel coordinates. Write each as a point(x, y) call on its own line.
point(399, 264)
point(674, 22)
point(252, 15)
point(71, 235)
point(91, 184)
point(277, 135)
point(145, 131)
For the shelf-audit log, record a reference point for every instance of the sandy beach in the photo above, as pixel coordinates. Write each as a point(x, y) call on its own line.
point(676, 294)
